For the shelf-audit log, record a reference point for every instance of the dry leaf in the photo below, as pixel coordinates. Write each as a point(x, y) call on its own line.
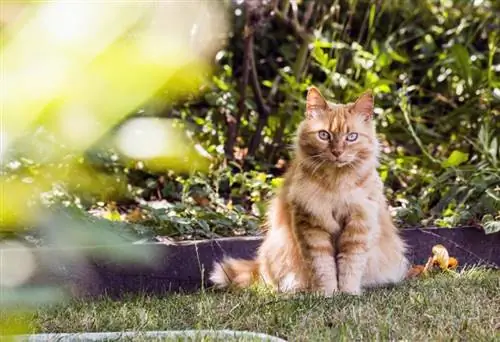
point(452, 263)
point(428, 265)
point(415, 271)
point(135, 215)
point(440, 256)
point(201, 200)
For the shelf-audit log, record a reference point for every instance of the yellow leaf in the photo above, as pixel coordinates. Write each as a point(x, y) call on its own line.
point(112, 213)
point(135, 215)
point(452, 263)
point(415, 271)
point(428, 265)
point(440, 256)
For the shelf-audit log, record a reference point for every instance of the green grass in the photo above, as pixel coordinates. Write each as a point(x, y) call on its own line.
point(464, 306)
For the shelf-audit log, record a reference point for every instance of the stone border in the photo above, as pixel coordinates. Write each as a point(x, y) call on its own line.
point(185, 266)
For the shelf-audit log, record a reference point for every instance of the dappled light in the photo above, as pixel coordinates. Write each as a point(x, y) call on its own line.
point(77, 80)
point(71, 73)
point(18, 266)
point(135, 136)
point(159, 143)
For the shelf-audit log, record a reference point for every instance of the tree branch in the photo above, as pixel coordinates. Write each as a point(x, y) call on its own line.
point(262, 108)
point(233, 122)
point(295, 11)
point(308, 14)
point(297, 29)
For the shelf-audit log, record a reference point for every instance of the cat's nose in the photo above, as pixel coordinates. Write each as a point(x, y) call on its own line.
point(336, 153)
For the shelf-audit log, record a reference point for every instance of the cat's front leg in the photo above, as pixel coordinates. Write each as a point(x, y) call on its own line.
point(321, 250)
point(353, 246)
point(318, 246)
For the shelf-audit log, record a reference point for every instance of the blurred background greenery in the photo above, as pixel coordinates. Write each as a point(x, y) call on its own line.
point(175, 118)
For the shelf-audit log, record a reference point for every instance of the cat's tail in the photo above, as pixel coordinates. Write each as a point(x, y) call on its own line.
point(234, 272)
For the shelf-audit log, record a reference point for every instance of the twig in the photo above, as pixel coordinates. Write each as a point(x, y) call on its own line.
point(295, 26)
point(298, 66)
point(295, 11)
point(286, 6)
point(233, 123)
point(363, 25)
point(406, 114)
point(308, 13)
point(274, 88)
point(261, 107)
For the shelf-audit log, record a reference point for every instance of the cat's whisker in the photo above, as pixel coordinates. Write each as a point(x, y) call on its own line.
point(321, 163)
point(308, 159)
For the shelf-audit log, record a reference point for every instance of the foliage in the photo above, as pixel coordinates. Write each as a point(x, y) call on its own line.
point(433, 66)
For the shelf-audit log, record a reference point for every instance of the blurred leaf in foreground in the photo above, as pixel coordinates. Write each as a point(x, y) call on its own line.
point(75, 70)
point(78, 68)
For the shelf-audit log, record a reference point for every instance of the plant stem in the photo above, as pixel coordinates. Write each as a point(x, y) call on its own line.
point(233, 123)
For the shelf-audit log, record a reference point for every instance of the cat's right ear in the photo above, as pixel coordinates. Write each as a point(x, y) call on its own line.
point(315, 103)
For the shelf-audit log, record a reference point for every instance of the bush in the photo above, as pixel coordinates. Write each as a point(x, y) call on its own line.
point(433, 66)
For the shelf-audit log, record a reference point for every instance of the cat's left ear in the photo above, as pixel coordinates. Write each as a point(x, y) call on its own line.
point(315, 102)
point(364, 105)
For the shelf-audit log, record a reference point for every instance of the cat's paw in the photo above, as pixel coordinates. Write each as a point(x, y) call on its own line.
point(355, 291)
point(325, 293)
point(330, 293)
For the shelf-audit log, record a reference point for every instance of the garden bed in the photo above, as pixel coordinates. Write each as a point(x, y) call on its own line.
point(174, 266)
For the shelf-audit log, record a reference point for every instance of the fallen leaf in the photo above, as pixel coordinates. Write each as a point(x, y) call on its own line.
point(440, 256)
point(135, 215)
point(111, 212)
point(452, 263)
point(428, 265)
point(415, 271)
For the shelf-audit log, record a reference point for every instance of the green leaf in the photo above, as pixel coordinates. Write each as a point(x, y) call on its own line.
point(490, 225)
point(456, 158)
point(462, 62)
point(267, 83)
point(494, 148)
point(221, 84)
point(372, 16)
point(277, 182)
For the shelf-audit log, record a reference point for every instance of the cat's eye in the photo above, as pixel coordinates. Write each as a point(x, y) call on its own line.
point(324, 135)
point(352, 136)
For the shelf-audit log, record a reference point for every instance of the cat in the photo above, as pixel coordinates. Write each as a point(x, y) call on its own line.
point(329, 226)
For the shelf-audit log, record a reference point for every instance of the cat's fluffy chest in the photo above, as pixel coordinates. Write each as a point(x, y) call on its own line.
point(329, 206)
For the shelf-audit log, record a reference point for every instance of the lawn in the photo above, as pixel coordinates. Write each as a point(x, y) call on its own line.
point(456, 306)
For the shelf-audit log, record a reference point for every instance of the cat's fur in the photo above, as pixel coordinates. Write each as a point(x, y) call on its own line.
point(329, 226)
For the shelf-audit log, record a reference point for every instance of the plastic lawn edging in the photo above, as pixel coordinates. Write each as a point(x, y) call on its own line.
point(184, 266)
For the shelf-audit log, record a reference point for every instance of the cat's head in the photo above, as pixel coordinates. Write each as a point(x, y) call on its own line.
point(339, 135)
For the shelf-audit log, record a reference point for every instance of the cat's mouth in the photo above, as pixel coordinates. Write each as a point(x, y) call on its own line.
point(339, 163)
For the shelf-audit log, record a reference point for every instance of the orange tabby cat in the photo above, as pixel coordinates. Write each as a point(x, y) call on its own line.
point(329, 226)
